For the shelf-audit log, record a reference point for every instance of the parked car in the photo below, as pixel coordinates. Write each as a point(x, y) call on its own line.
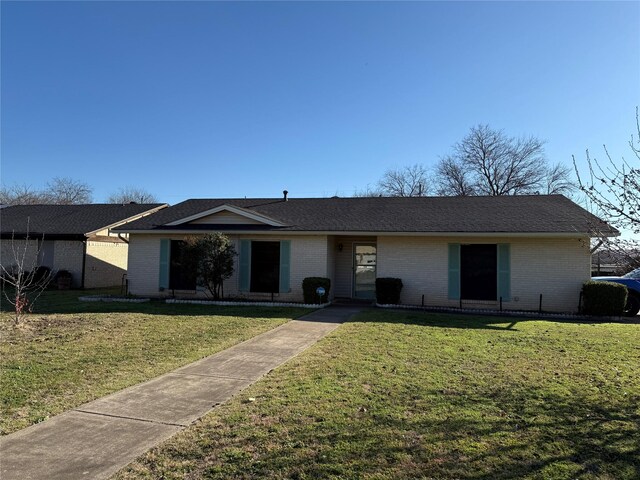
point(632, 281)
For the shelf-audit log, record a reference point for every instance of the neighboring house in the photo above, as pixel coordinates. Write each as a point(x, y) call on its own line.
point(447, 250)
point(614, 262)
point(77, 238)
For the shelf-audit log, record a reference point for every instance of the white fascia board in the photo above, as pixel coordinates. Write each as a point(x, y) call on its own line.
point(243, 212)
point(364, 233)
point(127, 220)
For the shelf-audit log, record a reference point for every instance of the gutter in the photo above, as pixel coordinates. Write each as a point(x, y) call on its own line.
point(365, 233)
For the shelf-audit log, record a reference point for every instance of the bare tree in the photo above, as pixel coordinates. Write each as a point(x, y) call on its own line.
point(131, 194)
point(452, 179)
point(368, 191)
point(67, 191)
point(59, 191)
point(21, 195)
point(612, 189)
point(23, 281)
point(488, 162)
point(411, 181)
point(558, 180)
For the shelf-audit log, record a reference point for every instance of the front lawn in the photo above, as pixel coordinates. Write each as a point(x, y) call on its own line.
point(413, 395)
point(72, 352)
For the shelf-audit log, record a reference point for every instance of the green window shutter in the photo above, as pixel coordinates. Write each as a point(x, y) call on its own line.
point(504, 272)
point(454, 271)
point(245, 265)
point(165, 255)
point(285, 266)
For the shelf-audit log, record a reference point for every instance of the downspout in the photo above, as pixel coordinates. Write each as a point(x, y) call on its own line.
point(123, 239)
point(597, 246)
point(84, 262)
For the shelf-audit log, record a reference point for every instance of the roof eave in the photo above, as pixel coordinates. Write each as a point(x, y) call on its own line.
point(160, 231)
point(128, 219)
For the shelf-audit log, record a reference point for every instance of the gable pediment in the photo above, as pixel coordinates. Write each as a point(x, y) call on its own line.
point(227, 215)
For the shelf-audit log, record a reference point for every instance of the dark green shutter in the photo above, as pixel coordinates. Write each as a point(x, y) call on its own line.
point(245, 265)
point(454, 271)
point(504, 272)
point(285, 265)
point(165, 255)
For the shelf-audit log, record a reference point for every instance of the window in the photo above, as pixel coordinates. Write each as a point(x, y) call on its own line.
point(479, 272)
point(182, 271)
point(265, 267)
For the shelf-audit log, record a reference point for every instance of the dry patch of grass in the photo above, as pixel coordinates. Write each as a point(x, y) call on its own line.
point(74, 352)
point(412, 395)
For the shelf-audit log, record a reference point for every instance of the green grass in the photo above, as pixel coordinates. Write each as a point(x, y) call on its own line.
point(71, 352)
point(412, 395)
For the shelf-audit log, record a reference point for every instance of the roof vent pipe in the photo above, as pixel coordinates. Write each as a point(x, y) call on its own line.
point(285, 193)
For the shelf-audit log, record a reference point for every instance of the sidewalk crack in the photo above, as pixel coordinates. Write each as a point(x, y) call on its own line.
point(131, 418)
point(213, 375)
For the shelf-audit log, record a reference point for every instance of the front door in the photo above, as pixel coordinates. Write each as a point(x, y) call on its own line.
point(364, 270)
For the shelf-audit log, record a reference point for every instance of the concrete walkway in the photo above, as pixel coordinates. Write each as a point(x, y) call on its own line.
point(97, 439)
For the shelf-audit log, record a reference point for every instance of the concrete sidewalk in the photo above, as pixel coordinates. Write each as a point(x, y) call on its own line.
point(97, 439)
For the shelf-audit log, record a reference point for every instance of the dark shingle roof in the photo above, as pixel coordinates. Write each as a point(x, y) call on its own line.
point(66, 220)
point(507, 214)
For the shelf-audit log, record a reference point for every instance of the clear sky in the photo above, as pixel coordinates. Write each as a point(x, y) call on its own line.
point(214, 99)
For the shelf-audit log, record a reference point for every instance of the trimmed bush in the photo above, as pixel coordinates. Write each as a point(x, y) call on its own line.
point(309, 287)
point(605, 299)
point(388, 291)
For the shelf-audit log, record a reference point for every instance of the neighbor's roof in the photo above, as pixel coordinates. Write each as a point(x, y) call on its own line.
point(545, 214)
point(66, 221)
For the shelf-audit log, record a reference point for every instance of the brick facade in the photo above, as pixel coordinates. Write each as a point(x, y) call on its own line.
point(553, 267)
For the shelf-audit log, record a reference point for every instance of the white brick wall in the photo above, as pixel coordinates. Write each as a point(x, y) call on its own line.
point(143, 265)
point(308, 258)
point(555, 268)
point(106, 262)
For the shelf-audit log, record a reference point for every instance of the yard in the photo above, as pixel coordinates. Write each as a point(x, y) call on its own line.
point(412, 395)
point(70, 352)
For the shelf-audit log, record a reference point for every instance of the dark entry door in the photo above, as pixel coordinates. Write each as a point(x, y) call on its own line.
point(479, 272)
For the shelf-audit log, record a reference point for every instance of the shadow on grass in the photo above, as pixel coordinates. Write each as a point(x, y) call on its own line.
point(564, 437)
point(66, 302)
point(470, 320)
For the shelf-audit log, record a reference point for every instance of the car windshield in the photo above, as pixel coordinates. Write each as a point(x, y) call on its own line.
point(633, 274)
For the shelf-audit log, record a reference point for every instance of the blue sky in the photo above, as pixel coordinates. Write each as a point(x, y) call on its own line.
point(213, 99)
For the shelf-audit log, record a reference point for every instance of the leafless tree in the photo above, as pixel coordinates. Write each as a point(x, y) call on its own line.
point(368, 191)
point(21, 195)
point(23, 282)
point(67, 191)
point(131, 194)
point(411, 181)
point(612, 189)
point(558, 180)
point(59, 191)
point(452, 180)
point(488, 162)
